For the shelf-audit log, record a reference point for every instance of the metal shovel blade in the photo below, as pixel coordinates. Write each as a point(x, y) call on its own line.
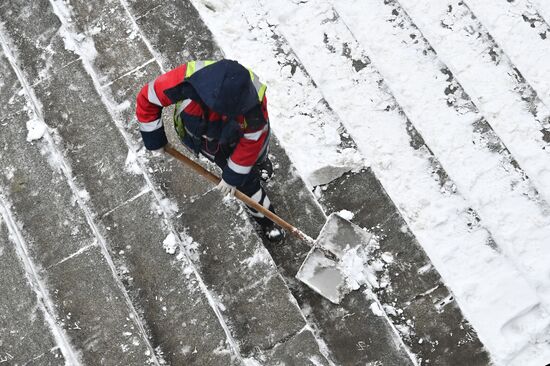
point(326, 276)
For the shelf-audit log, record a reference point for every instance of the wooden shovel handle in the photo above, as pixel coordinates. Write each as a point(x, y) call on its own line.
point(241, 196)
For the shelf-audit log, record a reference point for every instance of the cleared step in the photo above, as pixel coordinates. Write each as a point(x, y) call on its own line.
point(164, 286)
point(258, 305)
point(96, 149)
point(241, 294)
point(175, 30)
point(24, 331)
point(88, 303)
point(410, 289)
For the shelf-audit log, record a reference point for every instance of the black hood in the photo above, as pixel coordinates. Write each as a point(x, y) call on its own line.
point(225, 87)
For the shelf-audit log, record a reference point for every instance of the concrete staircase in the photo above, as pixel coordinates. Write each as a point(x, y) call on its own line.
point(110, 257)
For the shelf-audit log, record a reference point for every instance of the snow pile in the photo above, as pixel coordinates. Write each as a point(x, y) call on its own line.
point(170, 244)
point(348, 215)
point(131, 163)
point(36, 129)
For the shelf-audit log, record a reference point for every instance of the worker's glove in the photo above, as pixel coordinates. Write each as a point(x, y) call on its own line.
point(226, 188)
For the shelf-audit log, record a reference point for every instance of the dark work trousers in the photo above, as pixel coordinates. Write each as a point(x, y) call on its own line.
point(251, 186)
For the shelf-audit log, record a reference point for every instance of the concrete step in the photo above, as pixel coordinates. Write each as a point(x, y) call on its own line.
point(414, 295)
point(352, 332)
point(255, 302)
point(24, 331)
point(379, 341)
point(188, 330)
point(85, 300)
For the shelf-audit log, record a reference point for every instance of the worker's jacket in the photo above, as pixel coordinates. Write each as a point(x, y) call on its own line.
point(197, 89)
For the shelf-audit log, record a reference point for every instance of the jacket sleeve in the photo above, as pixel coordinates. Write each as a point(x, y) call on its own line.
point(250, 147)
point(163, 91)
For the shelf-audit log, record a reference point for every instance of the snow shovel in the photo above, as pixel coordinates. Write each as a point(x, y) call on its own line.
point(325, 269)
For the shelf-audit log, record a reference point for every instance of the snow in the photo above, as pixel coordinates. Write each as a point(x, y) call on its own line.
point(485, 220)
point(348, 215)
point(36, 129)
point(376, 310)
point(298, 114)
point(170, 244)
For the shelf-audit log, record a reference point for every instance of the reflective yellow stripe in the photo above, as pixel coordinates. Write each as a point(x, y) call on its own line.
point(194, 66)
point(258, 85)
point(261, 92)
point(190, 69)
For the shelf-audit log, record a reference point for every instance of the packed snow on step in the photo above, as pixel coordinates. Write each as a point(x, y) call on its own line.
point(502, 287)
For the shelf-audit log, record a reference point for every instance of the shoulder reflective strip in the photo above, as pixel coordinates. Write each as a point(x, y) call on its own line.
point(195, 66)
point(150, 126)
point(152, 95)
point(240, 169)
point(255, 136)
point(258, 85)
point(181, 105)
point(190, 69)
point(199, 65)
point(261, 92)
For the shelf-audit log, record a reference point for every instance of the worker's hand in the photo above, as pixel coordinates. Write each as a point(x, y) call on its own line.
point(225, 188)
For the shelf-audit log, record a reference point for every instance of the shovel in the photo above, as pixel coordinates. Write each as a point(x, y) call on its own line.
point(324, 269)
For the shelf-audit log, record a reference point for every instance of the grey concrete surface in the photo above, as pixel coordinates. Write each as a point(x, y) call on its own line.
point(89, 140)
point(239, 270)
point(94, 312)
point(25, 337)
point(178, 315)
point(300, 350)
point(176, 31)
point(95, 148)
point(438, 332)
point(38, 42)
point(90, 305)
point(113, 36)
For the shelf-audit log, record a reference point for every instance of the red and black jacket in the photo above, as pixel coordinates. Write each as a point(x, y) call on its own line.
point(220, 103)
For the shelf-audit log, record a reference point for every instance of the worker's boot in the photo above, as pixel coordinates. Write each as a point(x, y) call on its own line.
point(272, 232)
point(264, 168)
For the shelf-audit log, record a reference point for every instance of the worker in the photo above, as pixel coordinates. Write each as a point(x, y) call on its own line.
point(221, 113)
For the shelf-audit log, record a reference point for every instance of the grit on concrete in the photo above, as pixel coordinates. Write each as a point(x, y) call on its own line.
point(92, 219)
